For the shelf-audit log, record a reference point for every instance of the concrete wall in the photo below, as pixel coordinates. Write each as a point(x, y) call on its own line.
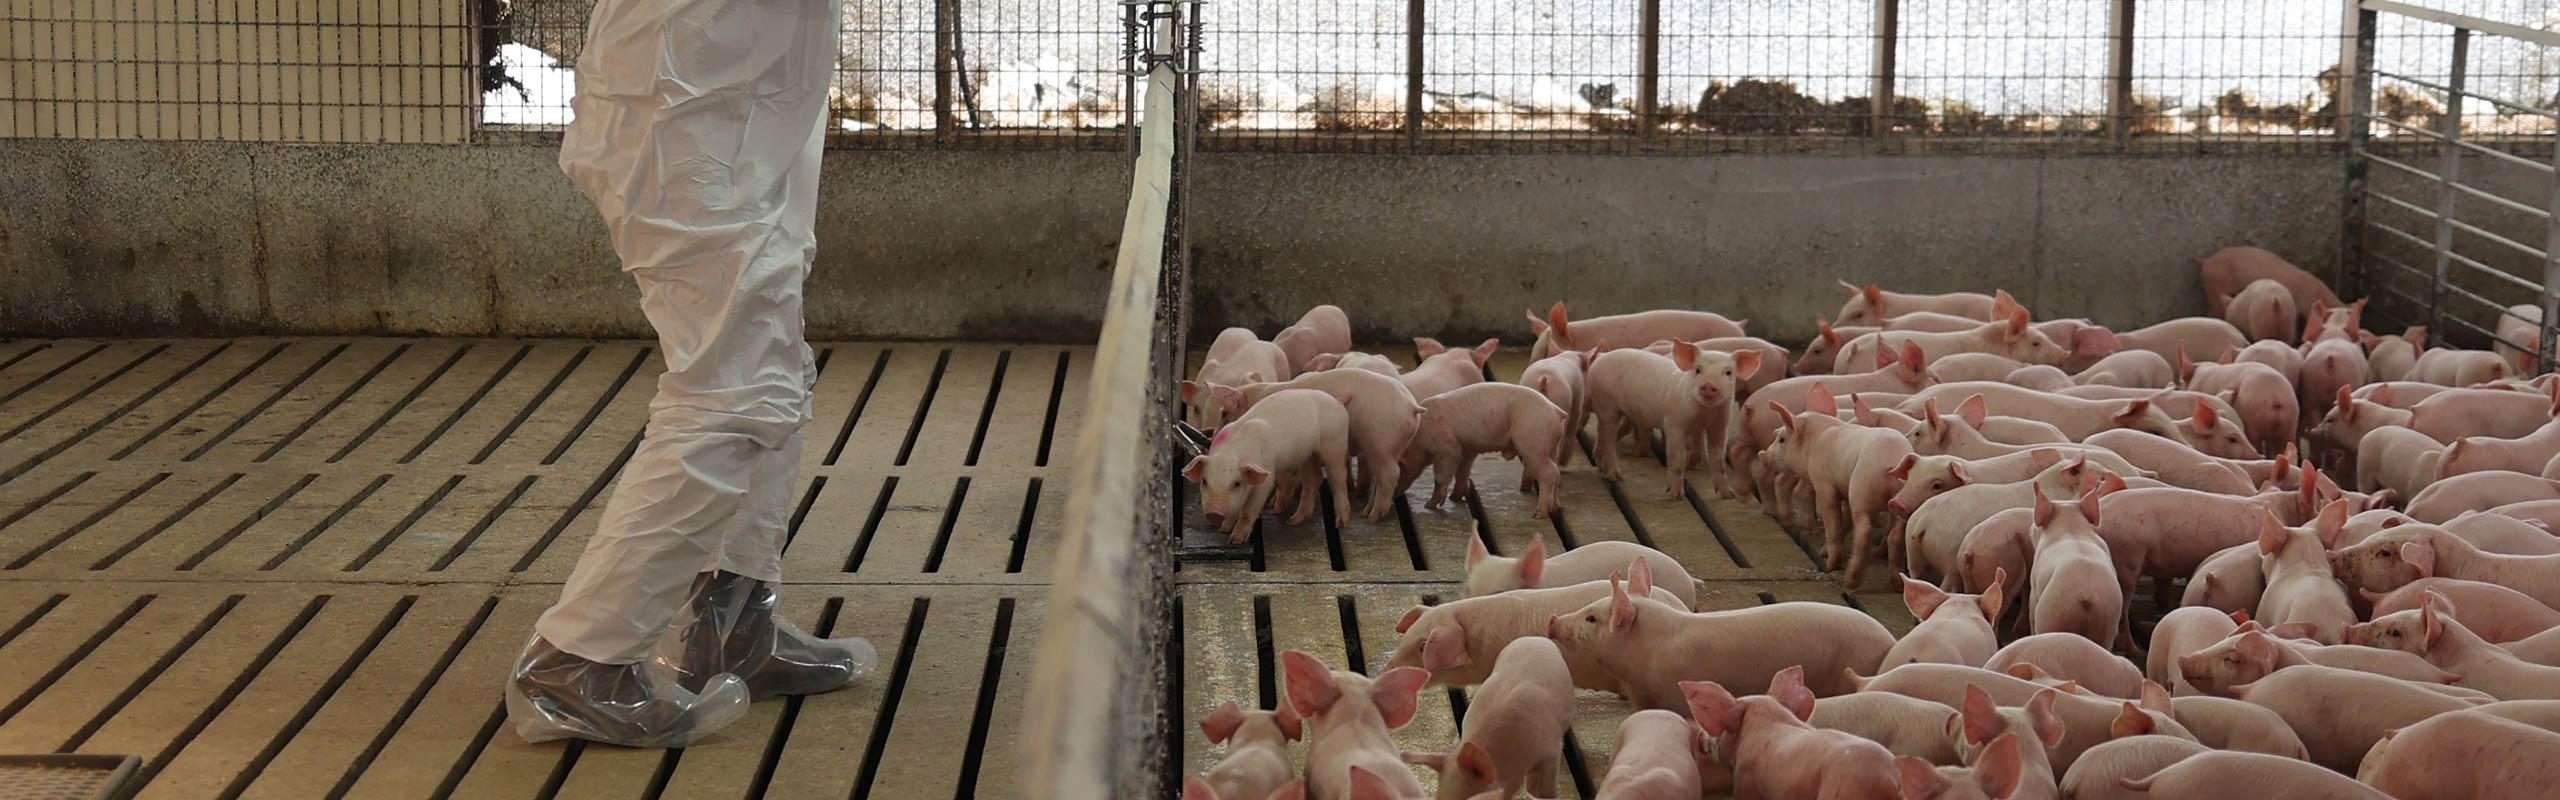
point(122, 238)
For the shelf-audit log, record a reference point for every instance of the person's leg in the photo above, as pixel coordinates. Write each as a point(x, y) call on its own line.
point(696, 135)
point(731, 626)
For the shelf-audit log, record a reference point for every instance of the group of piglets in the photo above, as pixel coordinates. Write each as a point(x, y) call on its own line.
point(1303, 413)
point(2350, 535)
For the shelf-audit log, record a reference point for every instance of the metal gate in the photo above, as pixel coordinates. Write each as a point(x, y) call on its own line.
point(2474, 238)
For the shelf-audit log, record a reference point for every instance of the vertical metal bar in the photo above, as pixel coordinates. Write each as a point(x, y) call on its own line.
point(2550, 302)
point(2120, 71)
point(1649, 83)
point(1413, 71)
point(2355, 90)
point(2447, 175)
point(1130, 64)
point(1888, 36)
point(946, 18)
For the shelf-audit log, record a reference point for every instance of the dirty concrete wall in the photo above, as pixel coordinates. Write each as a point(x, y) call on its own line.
point(124, 238)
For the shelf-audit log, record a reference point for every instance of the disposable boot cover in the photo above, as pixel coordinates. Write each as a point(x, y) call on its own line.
point(730, 629)
point(557, 695)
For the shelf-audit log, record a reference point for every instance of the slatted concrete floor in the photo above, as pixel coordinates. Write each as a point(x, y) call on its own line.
point(1337, 592)
point(299, 567)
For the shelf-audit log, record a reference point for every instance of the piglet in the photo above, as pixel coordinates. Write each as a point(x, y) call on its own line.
point(2522, 324)
point(2340, 713)
point(1383, 420)
point(2541, 648)
point(1871, 305)
point(2464, 755)
point(1288, 431)
point(2300, 587)
point(1953, 629)
point(1688, 396)
point(2398, 459)
point(1257, 761)
point(2174, 463)
point(1364, 362)
point(2133, 369)
point(2495, 612)
point(2399, 556)
point(2086, 719)
point(1972, 367)
point(1491, 574)
point(2431, 632)
point(2327, 368)
point(2251, 654)
point(1773, 359)
point(1775, 755)
point(2234, 774)
point(2033, 728)
point(2094, 776)
point(2230, 269)
point(1347, 717)
point(1562, 379)
point(1655, 759)
point(1849, 466)
point(1463, 423)
point(1443, 369)
point(1515, 726)
point(1652, 646)
point(2528, 453)
point(1458, 641)
point(2226, 724)
point(2232, 579)
point(1996, 776)
point(2071, 658)
point(2180, 632)
point(2204, 337)
point(1556, 333)
point(2073, 587)
point(2270, 411)
point(2263, 309)
point(1235, 358)
point(1996, 557)
point(2394, 358)
point(1906, 726)
point(1323, 330)
point(2445, 366)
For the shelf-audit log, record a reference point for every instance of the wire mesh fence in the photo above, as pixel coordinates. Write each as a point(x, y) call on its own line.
point(1675, 76)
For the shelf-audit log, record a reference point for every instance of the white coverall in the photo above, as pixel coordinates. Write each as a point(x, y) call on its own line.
point(698, 132)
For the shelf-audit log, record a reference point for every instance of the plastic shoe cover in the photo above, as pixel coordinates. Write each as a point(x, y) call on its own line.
point(730, 628)
point(553, 694)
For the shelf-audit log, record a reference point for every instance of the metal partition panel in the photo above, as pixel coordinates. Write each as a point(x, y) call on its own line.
point(2453, 189)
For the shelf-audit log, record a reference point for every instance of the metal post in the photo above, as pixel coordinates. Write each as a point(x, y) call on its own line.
point(1413, 71)
point(2355, 102)
point(1131, 66)
point(1888, 34)
point(2551, 265)
point(2446, 175)
point(946, 18)
point(1649, 85)
point(2120, 71)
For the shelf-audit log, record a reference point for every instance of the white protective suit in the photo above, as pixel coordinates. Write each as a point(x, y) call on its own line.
point(699, 125)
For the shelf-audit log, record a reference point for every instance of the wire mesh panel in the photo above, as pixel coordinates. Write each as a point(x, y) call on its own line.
point(2221, 70)
point(1550, 69)
point(2003, 70)
point(1328, 73)
point(1025, 67)
point(269, 70)
point(1767, 74)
